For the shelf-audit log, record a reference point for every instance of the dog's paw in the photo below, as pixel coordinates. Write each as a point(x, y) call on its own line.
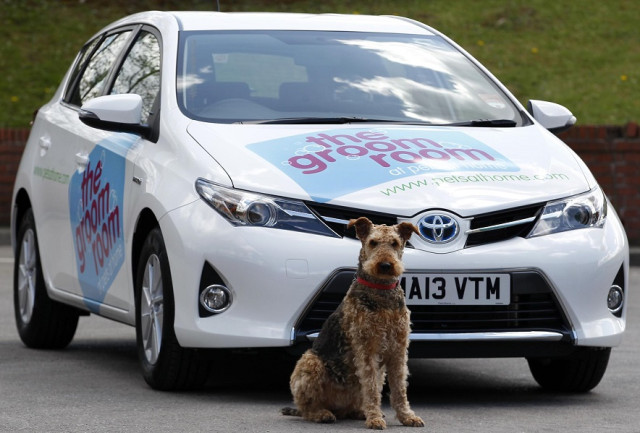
point(376, 423)
point(290, 411)
point(324, 417)
point(413, 421)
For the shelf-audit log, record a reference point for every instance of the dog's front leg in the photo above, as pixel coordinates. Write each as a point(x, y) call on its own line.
point(368, 374)
point(397, 373)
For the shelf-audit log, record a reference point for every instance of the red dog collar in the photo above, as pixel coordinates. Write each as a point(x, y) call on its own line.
point(377, 286)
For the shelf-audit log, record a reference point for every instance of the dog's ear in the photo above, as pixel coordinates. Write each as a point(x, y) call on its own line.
point(405, 230)
point(363, 227)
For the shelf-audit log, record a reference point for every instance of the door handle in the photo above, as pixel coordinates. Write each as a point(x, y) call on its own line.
point(82, 159)
point(45, 144)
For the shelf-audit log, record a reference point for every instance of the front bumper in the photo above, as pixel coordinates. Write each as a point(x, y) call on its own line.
point(276, 277)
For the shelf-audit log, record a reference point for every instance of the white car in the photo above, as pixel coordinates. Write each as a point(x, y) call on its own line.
point(194, 174)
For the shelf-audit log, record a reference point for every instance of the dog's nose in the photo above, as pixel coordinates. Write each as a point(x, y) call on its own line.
point(384, 267)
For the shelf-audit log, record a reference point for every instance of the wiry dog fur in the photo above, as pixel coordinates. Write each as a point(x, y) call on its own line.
point(366, 338)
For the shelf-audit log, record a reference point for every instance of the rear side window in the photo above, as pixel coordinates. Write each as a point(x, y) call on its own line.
point(92, 78)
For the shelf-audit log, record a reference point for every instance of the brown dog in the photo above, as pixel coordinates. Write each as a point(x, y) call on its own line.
point(367, 336)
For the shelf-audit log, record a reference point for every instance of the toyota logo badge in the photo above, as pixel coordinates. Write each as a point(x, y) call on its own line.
point(438, 228)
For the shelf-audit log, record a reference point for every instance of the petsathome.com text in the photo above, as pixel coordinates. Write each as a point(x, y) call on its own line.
point(475, 178)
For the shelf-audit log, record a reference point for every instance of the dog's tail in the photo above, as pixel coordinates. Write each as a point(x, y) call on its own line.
point(290, 411)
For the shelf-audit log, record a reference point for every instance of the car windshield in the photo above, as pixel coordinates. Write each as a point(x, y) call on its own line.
point(334, 77)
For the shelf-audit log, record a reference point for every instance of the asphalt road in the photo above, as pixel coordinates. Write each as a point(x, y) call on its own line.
point(94, 386)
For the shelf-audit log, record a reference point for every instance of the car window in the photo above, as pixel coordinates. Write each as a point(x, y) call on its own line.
point(71, 94)
point(94, 77)
point(140, 72)
point(263, 73)
point(227, 76)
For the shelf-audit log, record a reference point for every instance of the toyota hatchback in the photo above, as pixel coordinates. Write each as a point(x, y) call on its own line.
point(194, 174)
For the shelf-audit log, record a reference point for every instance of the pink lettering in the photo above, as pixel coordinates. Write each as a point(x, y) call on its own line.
point(90, 182)
point(410, 143)
point(80, 245)
point(325, 155)
point(334, 138)
point(379, 158)
point(98, 175)
point(99, 227)
point(403, 156)
point(373, 144)
point(352, 151)
point(471, 153)
point(87, 180)
point(98, 253)
point(371, 135)
point(319, 141)
point(434, 154)
point(380, 146)
point(309, 163)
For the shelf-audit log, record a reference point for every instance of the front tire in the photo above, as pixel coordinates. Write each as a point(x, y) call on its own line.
point(42, 322)
point(165, 364)
point(580, 372)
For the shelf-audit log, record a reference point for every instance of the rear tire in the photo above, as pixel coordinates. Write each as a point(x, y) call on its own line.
point(42, 322)
point(165, 364)
point(580, 372)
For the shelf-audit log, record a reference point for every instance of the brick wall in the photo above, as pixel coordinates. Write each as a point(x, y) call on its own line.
point(613, 156)
point(611, 152)
point(12, 143)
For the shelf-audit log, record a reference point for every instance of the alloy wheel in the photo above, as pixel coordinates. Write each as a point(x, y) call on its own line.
point(152, 309)
point(27, 266)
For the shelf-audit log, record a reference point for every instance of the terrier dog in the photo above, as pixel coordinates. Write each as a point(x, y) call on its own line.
point(366, 338)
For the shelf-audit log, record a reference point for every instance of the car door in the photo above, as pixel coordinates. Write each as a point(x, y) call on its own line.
point(99, 194)
point(89, 219)
point(63, 145)
point(107, 280)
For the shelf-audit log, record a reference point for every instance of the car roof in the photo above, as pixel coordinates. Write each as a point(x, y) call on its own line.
point(283, 21)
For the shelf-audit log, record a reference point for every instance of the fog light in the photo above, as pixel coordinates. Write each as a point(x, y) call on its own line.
point(216, 298)
point(615, 299)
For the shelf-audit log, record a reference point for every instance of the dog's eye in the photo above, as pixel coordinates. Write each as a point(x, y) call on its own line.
point(373, 243)
point(395, 243)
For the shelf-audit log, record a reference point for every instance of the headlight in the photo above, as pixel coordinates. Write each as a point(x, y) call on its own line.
point(578, 212)
point(242, 208)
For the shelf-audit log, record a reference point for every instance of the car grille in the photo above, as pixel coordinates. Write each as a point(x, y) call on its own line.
point(503, 225)
point(337, 218)
point(485, 228)
point(533, 307)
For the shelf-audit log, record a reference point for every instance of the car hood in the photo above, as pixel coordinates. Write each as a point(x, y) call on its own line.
point(398, 169)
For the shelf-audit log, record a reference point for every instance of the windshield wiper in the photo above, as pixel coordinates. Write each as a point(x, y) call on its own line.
point(327, 120)
point(496, 123)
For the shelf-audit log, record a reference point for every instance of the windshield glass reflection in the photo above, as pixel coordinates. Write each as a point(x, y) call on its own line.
point(268, 75)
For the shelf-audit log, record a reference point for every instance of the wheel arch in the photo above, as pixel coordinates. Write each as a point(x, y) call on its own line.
point(147, 221)
point(20, 206)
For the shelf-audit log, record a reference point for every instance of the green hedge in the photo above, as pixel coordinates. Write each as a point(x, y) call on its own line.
point(584, 55)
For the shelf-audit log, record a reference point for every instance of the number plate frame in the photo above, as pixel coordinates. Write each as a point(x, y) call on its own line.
point(457, 288)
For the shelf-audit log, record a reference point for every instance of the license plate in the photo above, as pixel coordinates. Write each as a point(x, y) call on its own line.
point(457, 289)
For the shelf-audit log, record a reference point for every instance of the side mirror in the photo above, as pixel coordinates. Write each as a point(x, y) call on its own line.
point(554, 117)
point(119, 113)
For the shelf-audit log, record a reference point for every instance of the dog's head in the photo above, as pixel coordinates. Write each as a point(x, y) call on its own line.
point(382, 247)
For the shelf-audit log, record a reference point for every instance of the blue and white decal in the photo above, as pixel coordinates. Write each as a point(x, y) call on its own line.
point(96, 212)
point(333, 163)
